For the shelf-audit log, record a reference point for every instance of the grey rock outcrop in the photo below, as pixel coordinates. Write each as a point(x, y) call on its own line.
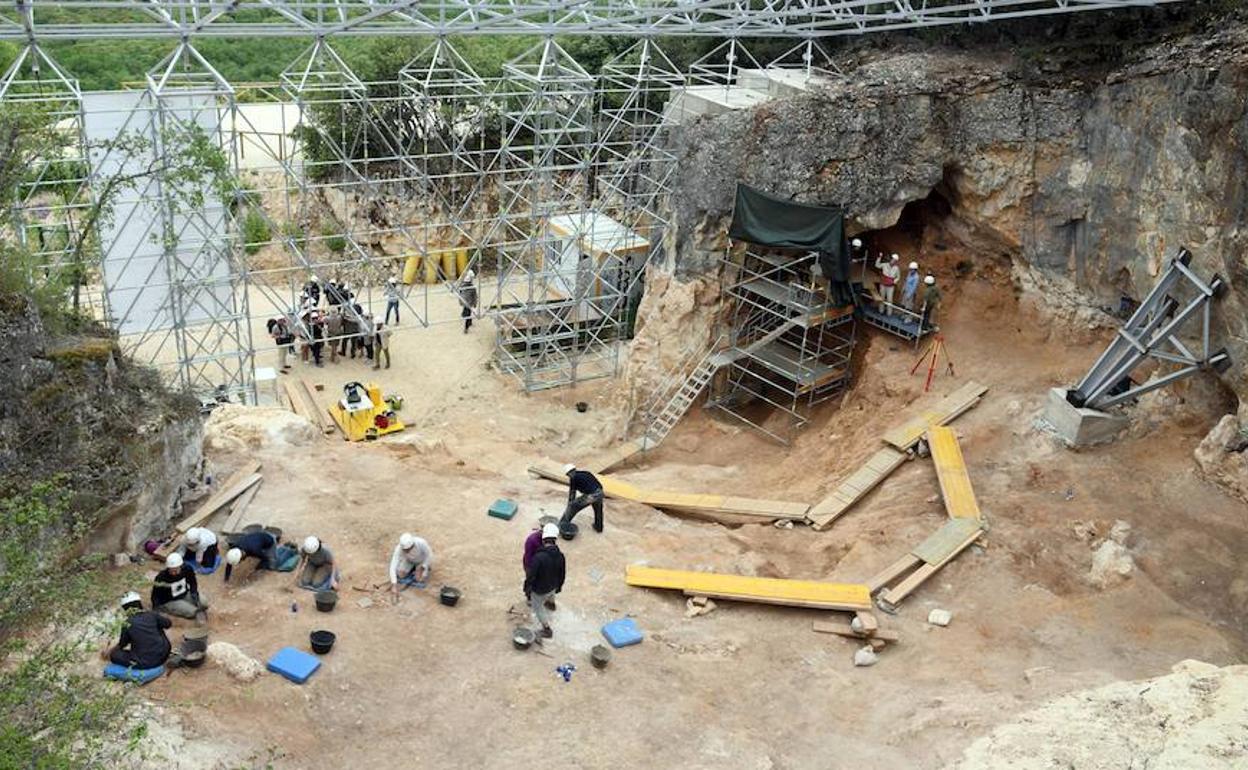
point(1088, 176)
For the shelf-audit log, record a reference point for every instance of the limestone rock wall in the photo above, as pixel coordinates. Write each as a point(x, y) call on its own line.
point(1084, 177)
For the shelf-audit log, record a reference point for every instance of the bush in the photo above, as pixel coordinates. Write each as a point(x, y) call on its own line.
point(334, 240)
point(256, 232)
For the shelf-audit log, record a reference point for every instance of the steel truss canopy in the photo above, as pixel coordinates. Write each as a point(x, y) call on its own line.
point(184, 19)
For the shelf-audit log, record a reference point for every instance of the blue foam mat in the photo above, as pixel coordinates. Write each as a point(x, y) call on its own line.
point(622, 632)
point(293, 664)
point(138, 675)
point(206, 570)
point(503, 509)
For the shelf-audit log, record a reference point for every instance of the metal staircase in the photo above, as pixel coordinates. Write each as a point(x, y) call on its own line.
point(679, 391)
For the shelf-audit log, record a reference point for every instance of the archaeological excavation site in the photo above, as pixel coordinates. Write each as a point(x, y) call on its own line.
point(636, 383)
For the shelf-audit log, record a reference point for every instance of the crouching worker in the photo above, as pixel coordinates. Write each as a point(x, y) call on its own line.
point(199, 550)
point(175, 590)
point(143, 643)
point(411, 562)
point(316, 570)
point(261, 546)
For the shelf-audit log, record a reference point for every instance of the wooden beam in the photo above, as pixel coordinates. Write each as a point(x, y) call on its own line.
point(955, 482)
point(766, 510)
point(797, 593)
point(892, 572)
point(320, 415)
point(297, 404)
point(855, 487)
point(238, 508)
point(906, 435)
point(894, 596)
point(841, 628)
point(235, 485)
point(774, 601)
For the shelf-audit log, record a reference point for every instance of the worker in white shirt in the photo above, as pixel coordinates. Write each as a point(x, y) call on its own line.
point(199, 549)
point(890, 271)
point(411, 562)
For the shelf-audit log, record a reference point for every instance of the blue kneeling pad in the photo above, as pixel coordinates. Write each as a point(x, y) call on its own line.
point(201, 569)
point(503, 509)
point(622, 632)
point(126, 674)
point(293, 664)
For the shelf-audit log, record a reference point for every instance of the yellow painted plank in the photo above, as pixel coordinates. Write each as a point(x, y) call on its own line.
point(908, 433)
point(955, 483)
point(808, 592)
point(682, 501)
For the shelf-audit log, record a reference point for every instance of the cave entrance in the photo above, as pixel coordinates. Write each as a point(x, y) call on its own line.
point(920, 236)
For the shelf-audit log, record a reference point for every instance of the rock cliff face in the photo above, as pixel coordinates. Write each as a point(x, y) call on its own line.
point(74, 411)
point(1090, 177)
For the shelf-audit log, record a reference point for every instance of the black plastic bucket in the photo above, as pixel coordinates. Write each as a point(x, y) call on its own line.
point(326, 600)
point(322, 641)
point(449, 596)
point(568, 530)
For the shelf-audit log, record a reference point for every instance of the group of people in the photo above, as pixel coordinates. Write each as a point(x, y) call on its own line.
point(175, 592)
point(890, 276)
point(342, 328)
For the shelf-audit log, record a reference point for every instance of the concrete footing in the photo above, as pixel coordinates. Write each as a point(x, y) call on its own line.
point(1080, 427)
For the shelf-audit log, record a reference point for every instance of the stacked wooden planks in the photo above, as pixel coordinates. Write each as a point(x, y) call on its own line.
point(790, 593)
point(240, 482)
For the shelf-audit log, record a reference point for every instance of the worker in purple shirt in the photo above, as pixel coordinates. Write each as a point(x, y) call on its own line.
point(533, 544)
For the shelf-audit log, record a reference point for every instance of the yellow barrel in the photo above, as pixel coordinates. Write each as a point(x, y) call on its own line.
point(448, 265)
point(409, 269)
point(431, 268)
point(461, 261)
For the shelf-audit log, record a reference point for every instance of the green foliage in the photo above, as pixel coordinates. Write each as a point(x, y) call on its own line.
point(333, 238)
point(293, 231)
point(256, 232)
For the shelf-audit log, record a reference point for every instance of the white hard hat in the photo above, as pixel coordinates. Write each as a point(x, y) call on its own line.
point(406, 540)
point(311, 544)
point(567, 469)
point(393, 279)
point(914, 265)
point(233, 556)
point(315, 279)
point(130, 598)
point(550, 531)
point(173, 560)
point(857, 243)
point(896, 257)
point(469, 275)
point(929, 280)
point(193, 535)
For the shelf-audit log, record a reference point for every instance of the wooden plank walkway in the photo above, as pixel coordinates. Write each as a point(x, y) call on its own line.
point(955, 482)
point(851, 490)
point(768, 510)
point(797, 593)
point(906, 435)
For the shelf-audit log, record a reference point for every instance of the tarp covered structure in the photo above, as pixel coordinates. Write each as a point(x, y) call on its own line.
point(766, 220)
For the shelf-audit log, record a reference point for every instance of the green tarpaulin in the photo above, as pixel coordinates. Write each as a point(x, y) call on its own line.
point(769, 221)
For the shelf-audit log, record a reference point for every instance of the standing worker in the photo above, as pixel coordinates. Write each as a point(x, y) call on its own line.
point(910, 288)
point(590, 490)
point(467, 297)
point(319, 572)
point(261, 546)
point(393, 294)
point(381, 344)
point(333, 332)
point(175, 590)
point(890, 271)
point(533, 544)
point(143, 643)
point(931, 301)
point(279, 330)
point(411, 562)
point(544, 578)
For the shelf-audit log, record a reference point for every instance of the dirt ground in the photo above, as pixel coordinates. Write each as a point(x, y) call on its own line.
point(416, 684)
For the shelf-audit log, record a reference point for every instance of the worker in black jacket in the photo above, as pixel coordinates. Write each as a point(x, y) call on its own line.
point(143, 643)
point(175, 591)
point(544, 578)
point(584, 490)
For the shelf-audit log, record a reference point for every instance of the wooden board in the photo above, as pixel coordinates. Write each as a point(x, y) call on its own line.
point(849, 596)
point(297, 404)
point(768, 510)
point(856, 486)
point(955, 482)
point(320, 415)
point(235, 485)
point(906, 435)
point(842, 628)
point(893, 596)
point(813, 605)
point(610, 458)
point(238, 508)
point(892, 572)
point(945, 542)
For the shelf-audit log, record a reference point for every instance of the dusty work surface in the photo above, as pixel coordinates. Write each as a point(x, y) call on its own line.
point(419, 685)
